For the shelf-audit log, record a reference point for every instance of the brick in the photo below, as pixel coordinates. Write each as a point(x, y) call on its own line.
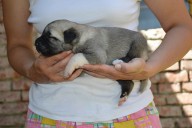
point(187, 110)
point(187, 87)
point(181, 76)
point(2, 28)
point(25, 95)
point(17, 120)
point(168, 122)
point(169, 88)
point(172, 99)
point(8, 73)
point(154, 88)
point(13, 108)
point(186, 64)
point(5, 85)
point(21, 84)
point(3, 40)
point(169, 77)
point(4, 63)
point(160, 99)
point(10, 96)
point(169, 111)
point(156, 78)
point(153, 44)
point(3, 50)
point(188, 55)
point(176, 122)
point(180, 98)
point(184, 122)
point(190, 76)
point(174, 67)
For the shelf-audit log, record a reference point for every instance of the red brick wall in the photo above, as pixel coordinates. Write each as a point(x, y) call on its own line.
point(172, 90)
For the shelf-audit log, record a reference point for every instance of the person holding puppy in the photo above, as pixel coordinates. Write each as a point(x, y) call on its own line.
point(91, 101)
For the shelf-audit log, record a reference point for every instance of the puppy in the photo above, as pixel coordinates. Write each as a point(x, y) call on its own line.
point(93, 45)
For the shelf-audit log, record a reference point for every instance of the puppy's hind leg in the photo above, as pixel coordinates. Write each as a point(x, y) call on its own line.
point(126, 87)
point(143, 85)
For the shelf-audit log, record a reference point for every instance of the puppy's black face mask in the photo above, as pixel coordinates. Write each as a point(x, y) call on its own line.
point(49, 45)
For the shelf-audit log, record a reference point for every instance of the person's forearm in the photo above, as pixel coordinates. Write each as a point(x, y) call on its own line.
point(177, 42)
point(21, 59)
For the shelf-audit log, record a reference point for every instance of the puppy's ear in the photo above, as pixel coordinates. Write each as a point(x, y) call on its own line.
point(71, 36)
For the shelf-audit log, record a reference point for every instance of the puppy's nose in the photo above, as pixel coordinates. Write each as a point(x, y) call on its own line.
point(37, 42)
point(38, 45)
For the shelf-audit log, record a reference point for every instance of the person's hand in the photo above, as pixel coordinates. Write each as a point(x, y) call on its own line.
point(133, 70)
point(51, 69)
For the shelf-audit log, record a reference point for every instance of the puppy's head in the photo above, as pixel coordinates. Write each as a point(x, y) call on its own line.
point(57, 37)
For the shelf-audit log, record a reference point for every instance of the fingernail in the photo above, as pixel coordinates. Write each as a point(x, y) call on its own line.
point(118, 66)
point(68, 52)
point(84, 66)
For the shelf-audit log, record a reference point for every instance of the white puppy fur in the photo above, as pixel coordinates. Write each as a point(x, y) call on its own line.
point(77, 61)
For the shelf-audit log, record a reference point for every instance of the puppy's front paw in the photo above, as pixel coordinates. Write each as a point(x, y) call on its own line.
point(117, 61)
point(77, 61)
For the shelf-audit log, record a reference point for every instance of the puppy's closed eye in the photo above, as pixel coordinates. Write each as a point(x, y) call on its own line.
point(70, 36)
point(54, 38)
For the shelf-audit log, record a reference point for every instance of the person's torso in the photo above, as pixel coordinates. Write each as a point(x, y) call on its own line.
point(86, 98)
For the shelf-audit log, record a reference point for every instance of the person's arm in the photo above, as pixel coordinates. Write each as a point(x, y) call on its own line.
point(177, 23)
point(20, 46)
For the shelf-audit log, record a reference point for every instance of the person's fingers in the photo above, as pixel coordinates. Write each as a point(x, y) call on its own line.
point(134, 66)
point(120, 71)
point(49, 67)
point(95, 74)
point(56, 78)
point(56, 58)
point(103, 71)
point(60, 66)
point(102, 68)
point(90, 67)
point(75, 74)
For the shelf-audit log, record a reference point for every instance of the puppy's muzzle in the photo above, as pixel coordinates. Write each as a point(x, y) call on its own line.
point(42, 46)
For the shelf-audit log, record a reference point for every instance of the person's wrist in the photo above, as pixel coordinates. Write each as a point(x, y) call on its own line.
point(149, 70)
point(32, 74)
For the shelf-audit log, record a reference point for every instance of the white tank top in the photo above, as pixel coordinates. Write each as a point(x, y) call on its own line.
point(85, 99)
